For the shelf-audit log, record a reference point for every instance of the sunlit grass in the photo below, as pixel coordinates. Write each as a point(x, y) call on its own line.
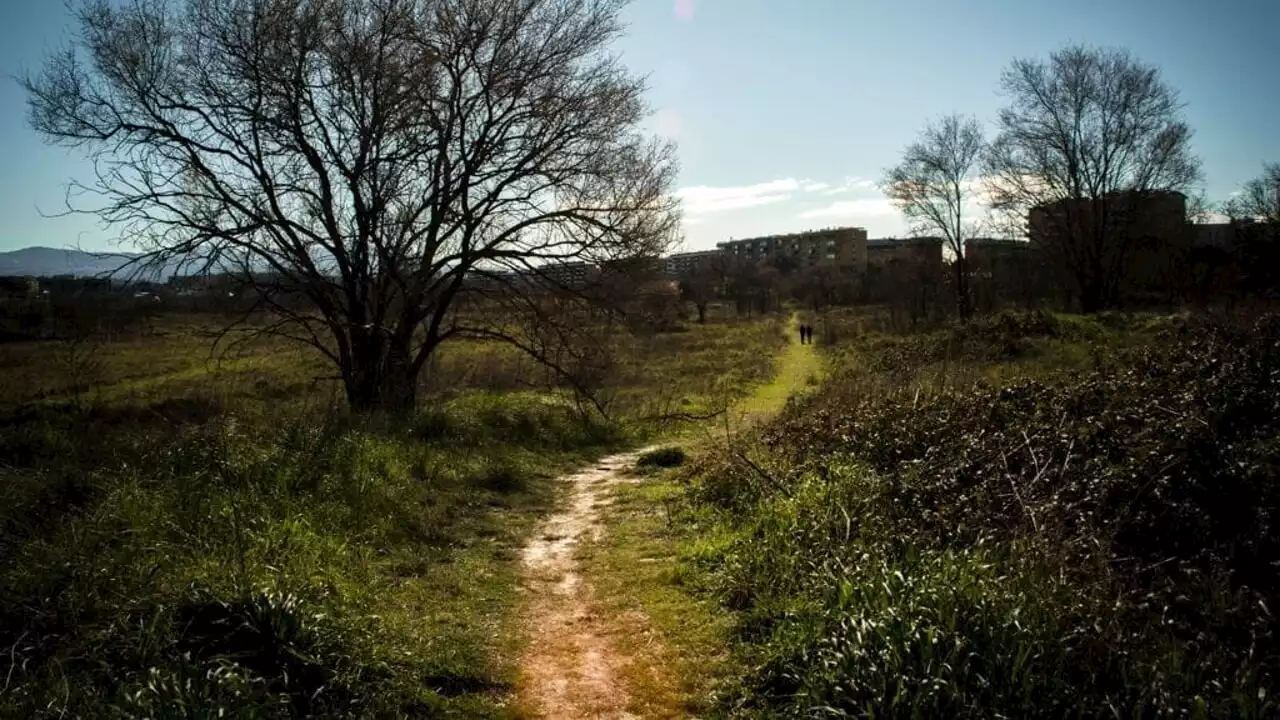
point(178, 496)
point(799, 367)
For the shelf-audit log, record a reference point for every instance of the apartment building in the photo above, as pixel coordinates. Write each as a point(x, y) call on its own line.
point(985, 254)
point(568, 274)
point(684, 263)
point(1140, 217)
point(844, 247)
point(925, 253)
point(1146, 235)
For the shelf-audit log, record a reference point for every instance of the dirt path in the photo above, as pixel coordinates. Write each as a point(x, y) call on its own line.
point(569, 669)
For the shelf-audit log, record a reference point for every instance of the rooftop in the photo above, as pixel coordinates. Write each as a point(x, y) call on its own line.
point(788, 236)
point(898, 242)
point(997, 241)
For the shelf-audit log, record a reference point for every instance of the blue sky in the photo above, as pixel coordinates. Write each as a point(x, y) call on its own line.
point(787, 111)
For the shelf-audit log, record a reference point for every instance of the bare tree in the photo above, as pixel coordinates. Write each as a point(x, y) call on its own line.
point(1259, 199)
point(1255, 220)
point(704, 282)
point(1200, 209)
point(378, 159)
point(932, 184)
point(1087, 137)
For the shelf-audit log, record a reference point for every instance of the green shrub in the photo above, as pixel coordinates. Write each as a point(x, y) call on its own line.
point(1094, 543)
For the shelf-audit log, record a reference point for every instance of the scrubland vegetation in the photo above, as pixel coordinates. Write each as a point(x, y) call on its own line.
point(192, 536)
point(1029, 515)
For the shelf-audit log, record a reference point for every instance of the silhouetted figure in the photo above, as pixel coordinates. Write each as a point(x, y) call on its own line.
point(801, 334)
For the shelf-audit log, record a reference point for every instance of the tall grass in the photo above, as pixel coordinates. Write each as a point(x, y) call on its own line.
point(1080, 539)
point(330, 570)
point(218, 539)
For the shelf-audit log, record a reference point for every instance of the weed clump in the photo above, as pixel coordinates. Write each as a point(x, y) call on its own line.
point(664, 457)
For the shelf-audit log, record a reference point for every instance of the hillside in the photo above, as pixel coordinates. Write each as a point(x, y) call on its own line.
point(46, 261)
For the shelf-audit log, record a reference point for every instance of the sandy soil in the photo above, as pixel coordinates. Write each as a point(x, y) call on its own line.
point(571, 669)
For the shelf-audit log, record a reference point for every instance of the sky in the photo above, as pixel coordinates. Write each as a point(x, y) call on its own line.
point(787, 112)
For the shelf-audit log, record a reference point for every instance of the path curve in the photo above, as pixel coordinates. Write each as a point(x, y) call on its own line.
point(569, 669)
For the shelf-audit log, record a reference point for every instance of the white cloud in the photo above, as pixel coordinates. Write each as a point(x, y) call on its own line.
point(867, 201)
point(850, 184)
point(852, 209)
point(669, 123)
point(704, 199)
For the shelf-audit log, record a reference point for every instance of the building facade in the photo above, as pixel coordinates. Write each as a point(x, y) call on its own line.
point(922, 253)
point(1122, 247)
point(985, 254)
point(844, 247)
point(1123, 215)
point(1003, 272)
point(681, 264)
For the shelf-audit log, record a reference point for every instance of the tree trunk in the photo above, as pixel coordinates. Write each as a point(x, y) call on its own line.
point(380, 378)
point(1091, 299)
point(702, 313)
point(963, 305)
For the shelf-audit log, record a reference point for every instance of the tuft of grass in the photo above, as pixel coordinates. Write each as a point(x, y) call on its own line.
point(663, 457)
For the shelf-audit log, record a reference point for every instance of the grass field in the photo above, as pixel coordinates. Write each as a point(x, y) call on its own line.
point(217, 535)
point(1034, 515)
point(639, 567)
point(1030, 515)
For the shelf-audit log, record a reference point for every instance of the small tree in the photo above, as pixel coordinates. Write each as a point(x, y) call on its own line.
point(1259, 199)
point(932, 185)
point(704, 282)
point(1087, 137)
point(376, 157)
point(1255, 218)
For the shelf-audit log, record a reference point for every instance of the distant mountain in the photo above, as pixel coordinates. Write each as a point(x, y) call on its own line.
point(50, 261)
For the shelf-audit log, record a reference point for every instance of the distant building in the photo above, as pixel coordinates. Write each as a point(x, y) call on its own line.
point(1134, 215)
point(1002, 271)
point(923, 253)
point(567, 274)
point(841, 247)
point(1213, 235)
point(1145, 234)
point(684, 263)
point(983, 255)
